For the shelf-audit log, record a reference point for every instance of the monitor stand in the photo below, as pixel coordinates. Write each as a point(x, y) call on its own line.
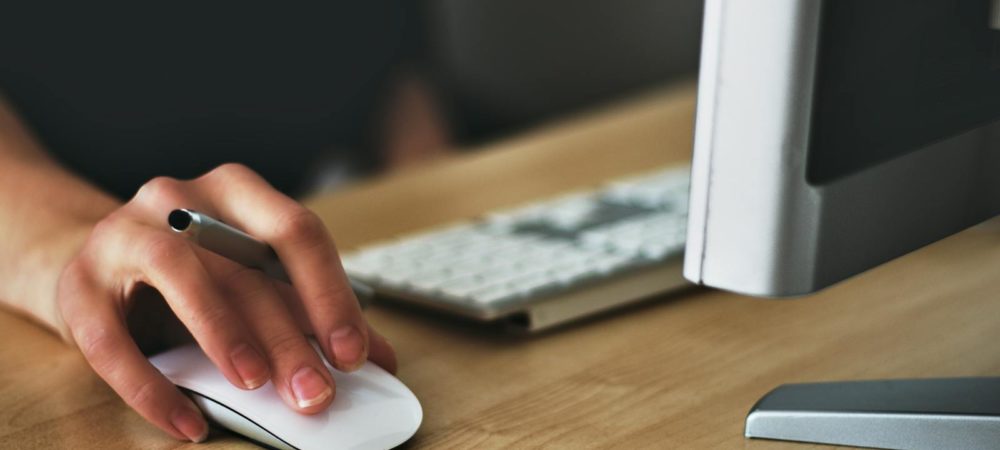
point(897, 414)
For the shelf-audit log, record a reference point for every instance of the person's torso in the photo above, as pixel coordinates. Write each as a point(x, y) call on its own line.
point(126, 94)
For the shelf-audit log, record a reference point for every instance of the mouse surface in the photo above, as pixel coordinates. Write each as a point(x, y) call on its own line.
point(371, 410)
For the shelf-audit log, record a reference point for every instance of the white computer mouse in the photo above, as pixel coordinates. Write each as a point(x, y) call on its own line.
point(372, 409)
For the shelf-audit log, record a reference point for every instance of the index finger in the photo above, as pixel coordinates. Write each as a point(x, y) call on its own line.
point(100, 333)
point(245, 200)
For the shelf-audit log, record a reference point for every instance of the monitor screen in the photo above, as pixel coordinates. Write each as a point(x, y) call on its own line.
point(896, 76)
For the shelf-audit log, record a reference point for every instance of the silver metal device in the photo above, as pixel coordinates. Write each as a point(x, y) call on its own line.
point(762, 223)
point(956, 413)
point(234, 244)
point(545, 263)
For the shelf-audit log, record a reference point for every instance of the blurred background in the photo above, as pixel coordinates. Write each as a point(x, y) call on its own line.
point(339, 90)
point(491, 68)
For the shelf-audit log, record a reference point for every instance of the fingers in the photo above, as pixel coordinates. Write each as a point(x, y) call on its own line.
point(100, 333)
point(160, 195)
point(169, 263)
point(246, 201)
point(380, 350)
point(261, 340)
point(298, 373)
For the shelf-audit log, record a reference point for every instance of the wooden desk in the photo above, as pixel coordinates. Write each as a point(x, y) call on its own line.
point(681, 371)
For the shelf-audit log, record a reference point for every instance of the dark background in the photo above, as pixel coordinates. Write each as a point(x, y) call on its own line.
point(122, 93)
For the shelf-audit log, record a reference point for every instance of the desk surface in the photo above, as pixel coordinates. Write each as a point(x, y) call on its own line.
point(679, 371)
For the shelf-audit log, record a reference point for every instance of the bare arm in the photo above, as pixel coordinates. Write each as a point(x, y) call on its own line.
point(45, 217)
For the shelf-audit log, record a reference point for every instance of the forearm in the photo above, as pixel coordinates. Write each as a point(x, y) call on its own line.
point(45, 215)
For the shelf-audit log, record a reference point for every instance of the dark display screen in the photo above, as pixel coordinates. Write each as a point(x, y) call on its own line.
point(896, 76)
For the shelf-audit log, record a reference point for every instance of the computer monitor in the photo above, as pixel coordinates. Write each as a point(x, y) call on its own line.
point(832, 136)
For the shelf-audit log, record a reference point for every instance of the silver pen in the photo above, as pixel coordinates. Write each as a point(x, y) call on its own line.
point(231, 243)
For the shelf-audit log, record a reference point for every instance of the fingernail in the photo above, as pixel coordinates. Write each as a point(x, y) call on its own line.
point(250, 366)
point(190, 424)
point(348, 347)
point(309, 387)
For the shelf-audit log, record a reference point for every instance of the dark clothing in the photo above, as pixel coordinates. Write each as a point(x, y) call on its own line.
point(175, 89)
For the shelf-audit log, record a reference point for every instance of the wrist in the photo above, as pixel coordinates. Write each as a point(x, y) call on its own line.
point(44, 237)
point(39, 269)
point(47, 214)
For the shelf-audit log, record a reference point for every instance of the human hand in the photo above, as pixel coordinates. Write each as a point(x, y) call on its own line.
point(253, 328)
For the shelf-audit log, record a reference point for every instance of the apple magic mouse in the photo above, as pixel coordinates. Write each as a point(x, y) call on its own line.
point(371, 410)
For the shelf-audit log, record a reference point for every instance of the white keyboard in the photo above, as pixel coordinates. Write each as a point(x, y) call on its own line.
point(509, 259)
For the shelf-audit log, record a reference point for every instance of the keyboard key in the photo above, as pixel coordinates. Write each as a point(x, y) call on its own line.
point(537, 249)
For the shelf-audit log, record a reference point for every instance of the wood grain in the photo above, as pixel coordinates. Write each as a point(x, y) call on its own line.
point(680, 371)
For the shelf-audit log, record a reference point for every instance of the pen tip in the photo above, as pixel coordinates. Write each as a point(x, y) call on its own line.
point(179, 219)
